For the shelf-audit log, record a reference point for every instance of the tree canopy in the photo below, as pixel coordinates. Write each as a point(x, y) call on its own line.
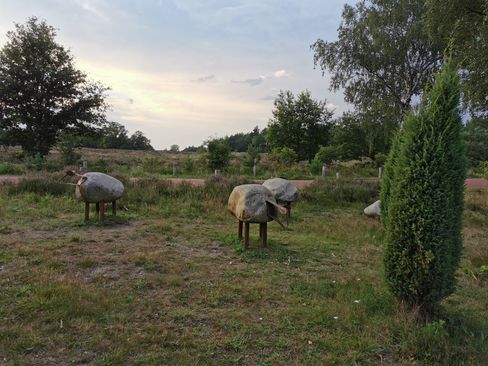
point(300, 123)
point(41, 91)
point(464, 26)
point(382, 59)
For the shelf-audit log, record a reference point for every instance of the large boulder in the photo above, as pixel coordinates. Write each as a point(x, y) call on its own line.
point(96, 187)
point(373, 210)
point(283, 190)
point(252, 203)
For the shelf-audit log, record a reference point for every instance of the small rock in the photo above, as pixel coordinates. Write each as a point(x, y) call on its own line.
point(373, 210)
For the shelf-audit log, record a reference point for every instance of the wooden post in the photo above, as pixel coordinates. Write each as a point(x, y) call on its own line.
point(239, 232)
point(288, 212)
point(102, 211)
point(338, 175)
point(324, 170)
point(97, 207)
point(263, 233)
point(380, 172)
point(246, 235)
point(114, 208)
point(87, 211)
point(175, 168)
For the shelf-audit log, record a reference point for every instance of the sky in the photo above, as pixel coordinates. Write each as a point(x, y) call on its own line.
point(184, 71)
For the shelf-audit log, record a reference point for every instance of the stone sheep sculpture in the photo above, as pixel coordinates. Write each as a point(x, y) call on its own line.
point(284, 192)
point(98, 188)
point(254, 203)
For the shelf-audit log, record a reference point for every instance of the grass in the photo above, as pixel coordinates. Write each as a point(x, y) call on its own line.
point(166, 282)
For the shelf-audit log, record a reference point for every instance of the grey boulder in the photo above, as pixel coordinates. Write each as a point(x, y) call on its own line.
point(282, 189)
point(373, 210)
point(96, 187)
point(252, 203)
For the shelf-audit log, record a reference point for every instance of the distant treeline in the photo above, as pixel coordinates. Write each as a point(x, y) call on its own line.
point(113, 135)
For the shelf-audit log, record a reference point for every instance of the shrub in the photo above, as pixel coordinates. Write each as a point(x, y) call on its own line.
point(424, 202)
point(218, 154)
point(8, 168)
point(67, 147)
point(327, 154)
point(152, 165)
point(37, 162)
point(380, 159)
point(284, 155)
point(187, 165)
point(316, 167)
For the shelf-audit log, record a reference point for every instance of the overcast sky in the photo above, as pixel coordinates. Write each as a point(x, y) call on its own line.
point(185, 70)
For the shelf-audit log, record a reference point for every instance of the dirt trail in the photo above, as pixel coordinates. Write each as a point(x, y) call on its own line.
point(471, 183)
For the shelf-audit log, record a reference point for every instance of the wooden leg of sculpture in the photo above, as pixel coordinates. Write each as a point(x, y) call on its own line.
point(102, 211)
point(288, 213)
point(87, 211)
point(114, 208)
point(263, 233)
point(246, 235)
point(239, 232)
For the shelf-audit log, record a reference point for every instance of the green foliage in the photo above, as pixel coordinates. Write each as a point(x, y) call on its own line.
point(9, 168)
point(284, 156)
point(476, 137)
point(328, 154)
point(316, 167)
point(218, 154)
point(329, 193)
point(187, 165)
point(67, 144)
point(372, 62)
point(299, 123)
point(36, 162)
point(152, 165)
point(240, 141)
point(41, 186)
point(380, 159)
point(464, 26)
point(41, 91)
point(253, 155)
point(422, 198)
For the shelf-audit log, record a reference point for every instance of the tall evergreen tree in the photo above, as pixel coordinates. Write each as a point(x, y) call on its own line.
point(424, 198)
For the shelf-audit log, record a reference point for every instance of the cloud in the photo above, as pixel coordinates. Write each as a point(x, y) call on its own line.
point(258, 80)
point(91, 6)
point(280, 74)
point(204, 79)
point(251, 81)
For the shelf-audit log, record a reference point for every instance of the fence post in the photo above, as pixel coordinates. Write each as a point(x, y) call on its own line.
point(84, 167)
point(175, 168)
point(338, 175)
point(324, 170)
point(380, 172)
point(217, 173)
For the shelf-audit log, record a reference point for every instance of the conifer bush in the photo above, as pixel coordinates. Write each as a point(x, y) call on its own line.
point(422, 198)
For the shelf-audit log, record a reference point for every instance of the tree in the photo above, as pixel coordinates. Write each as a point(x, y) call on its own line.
point(301, 124)
point(139, 142)
point(115, 136)
point(218, 154)
point(424, 203)
point(174, 148)
point(464, 26)
point(41, 91)
point(476, 137)
point(382, 59)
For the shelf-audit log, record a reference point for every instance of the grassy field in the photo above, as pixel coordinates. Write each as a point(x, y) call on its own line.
point(166, 283)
